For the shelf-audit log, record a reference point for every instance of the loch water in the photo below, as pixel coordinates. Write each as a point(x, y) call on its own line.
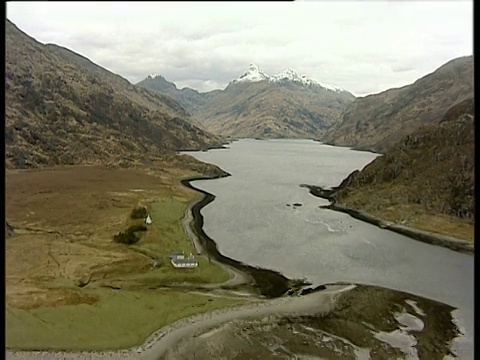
point(263, 217)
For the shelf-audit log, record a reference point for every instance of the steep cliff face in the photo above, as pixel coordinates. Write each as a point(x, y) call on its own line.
point(430, 172)
point(377, 122)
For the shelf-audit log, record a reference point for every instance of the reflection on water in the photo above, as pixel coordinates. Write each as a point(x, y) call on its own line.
point(251, 221)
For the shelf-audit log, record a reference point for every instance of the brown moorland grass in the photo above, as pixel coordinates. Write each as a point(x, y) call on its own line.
point(380, 202)
point(62, 254)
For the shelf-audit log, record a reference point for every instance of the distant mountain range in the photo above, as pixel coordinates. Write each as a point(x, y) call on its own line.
point(61, 108)
point(292, 105)
point(257, 105)
point(377, 122)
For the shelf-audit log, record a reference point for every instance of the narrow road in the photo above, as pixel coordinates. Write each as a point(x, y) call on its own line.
point(236, 277)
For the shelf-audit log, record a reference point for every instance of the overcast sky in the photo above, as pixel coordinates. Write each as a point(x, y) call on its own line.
point(362, 46)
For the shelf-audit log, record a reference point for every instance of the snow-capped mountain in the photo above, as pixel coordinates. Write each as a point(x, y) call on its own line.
point(292, 75)
point(254, 74)
point(153, 76)
point(256, 105)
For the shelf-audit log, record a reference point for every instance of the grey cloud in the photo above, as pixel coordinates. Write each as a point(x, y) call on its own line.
point(363, 48)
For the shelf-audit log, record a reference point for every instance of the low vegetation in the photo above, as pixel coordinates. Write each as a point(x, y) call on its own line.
point(118, 320)
point(139, 213)
point(129, 236)
point(427, 181)
point(62, 266)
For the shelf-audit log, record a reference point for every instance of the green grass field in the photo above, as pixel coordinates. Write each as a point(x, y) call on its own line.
point(124, 318)
point(165, 235)
point(120, 319)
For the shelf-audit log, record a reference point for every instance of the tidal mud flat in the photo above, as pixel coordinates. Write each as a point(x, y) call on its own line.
point(342, 321)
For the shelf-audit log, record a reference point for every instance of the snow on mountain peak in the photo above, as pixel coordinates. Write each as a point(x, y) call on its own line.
point(153, 76)
point(292, 75)
point(253, 74)
point(330, 87)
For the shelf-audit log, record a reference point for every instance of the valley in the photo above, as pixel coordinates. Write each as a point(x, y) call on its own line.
point(279, 273)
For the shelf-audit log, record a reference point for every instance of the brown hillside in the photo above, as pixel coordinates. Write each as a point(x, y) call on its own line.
point(272, 110)
point(427, 179)
point(260, 109)
point(377, 122)
point(63, 109)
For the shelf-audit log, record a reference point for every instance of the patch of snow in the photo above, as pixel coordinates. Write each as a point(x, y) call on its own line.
point(292, 75)
point(153, 76)
point(330, 87)
point(253, 74)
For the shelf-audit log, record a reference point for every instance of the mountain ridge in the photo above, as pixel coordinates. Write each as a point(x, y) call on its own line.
point(61, 109)
point(374, 122)
point(259, 106)
point(426, 180)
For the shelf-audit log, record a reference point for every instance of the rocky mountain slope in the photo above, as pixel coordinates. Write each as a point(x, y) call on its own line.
point(61, 108)
point(190, 99)
point(262, 106)
point(426, 180)
point(377, 122)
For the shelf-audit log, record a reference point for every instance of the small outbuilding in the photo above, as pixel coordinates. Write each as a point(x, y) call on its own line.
point(148, 220)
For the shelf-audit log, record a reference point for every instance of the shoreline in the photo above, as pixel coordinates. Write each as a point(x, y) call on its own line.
point(166, 338)
point(237, 278)
point(416, 234)
point(269, 283)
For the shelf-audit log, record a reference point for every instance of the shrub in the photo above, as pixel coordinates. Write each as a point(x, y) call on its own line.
point(139, 213)
point(129, 236)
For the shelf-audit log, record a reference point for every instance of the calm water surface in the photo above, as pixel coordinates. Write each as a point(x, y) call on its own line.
point(251, 222)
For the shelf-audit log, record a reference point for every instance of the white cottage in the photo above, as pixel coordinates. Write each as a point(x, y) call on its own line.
point(179, 260)
point(148, 220)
